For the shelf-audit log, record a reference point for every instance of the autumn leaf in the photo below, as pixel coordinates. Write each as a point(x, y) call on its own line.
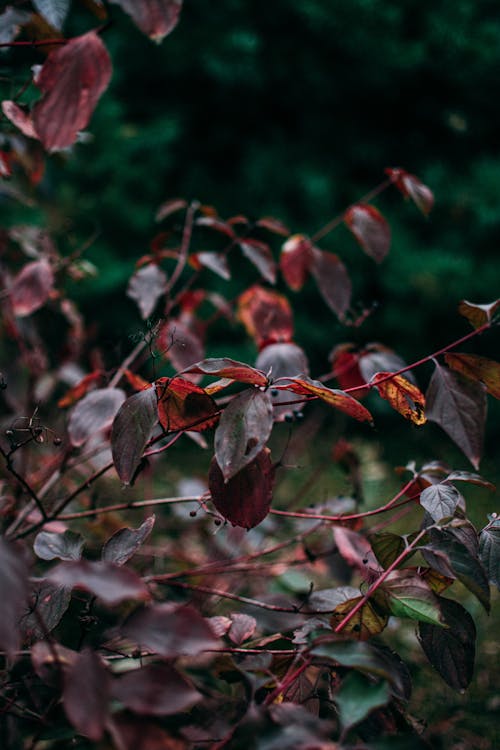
point(402, 395)
point(338, 399)
point(411, 187)
point(478, 315)
point(182, 405)
point(266, 315)
point(295, 261)
point(485, 370)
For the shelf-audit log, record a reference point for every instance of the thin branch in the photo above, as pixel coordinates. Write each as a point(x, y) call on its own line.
point(22, 481)
point(220, 592)
point(127, 506)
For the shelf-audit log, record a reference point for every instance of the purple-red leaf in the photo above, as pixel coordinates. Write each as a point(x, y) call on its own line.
point(86, 694)
point(48, 603)
point(295, 260)
point(13, 594)
point(170, 207)
point(72, 80)
point(242, 628)
point(370, 229)
point(155, 18)
point(223, 367)
point(107, 581)
point(20, 118)
point(31, 287)
point(155, 690)
point(266, 315)
point(356, 551)
point(94, 413)
point(170, 630)
point(145, 287)
point(259, 253)
point(333, 281)
point(413, 188)
point(243, 430)
point(131, 431)
point(458, 406)
point(182, 405)
point(125, 542)
point(440, 500)
point(246, 498)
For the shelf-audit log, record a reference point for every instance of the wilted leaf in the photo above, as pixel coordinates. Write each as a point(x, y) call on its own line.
point(72, 80)
point(402, 395)
point(49, 545)
point(367, 622)
point(182, 405)
point(489, 550)
point(246, 498)
point(155, 690)
point(13, 594)
point(440, 500)
point(477, 314)
point(266, 315)
point(94, 413)
point(413, 188)
point(259, 253)
point(408, 595)
point(295, 260)
point(451, 650)
point(105, 580)
point(477, 368)
point(125, 542)
point(242, 628)
point(170, 630)
point(358, 696)
point(243, 430)
point(31, 287)
point(229, 368)
point(86, 694)
point(145, 287)
point(338, 399)
point(54, 11)
point(131, 431)
point(19, 117)
point(370, 229)
point(216, 262)
point(333, 281)
point(459, 408)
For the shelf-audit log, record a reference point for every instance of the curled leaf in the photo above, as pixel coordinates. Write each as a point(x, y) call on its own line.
point(402, 395)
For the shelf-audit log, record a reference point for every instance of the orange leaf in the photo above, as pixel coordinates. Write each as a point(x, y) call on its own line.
point(79, 390)
point(182, 405)
point(485, 370)
point(478, 315)
point(402, 395)
point(338, 399)
point(266, 315)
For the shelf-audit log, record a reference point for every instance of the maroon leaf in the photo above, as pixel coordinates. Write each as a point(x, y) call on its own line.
point(155, 690)
point(242, 628)
point(451, 650)
point(266, 315)
point(246, 498)
point(413, 188)
point(145, 287)
point(370, 229)
point(356, 551)
point(478, 315)
point(170, 630)
point(259, 253)
point(295, 260)
point(105, 580)
point(137, 733)
point(13, 594)
point(182, 405)
point(333, 281)
point(131, 431)
point(156, 18)
point(49, 545)
point(243, 430)
point(31, 287)
point(216, 262)
point(458, 406)
point(223, 367)
point(72, 80)
point(94, 413)
point(125, 542)
point(20, 118)
point(219, 625)
point(213, 222)
point(86, 693)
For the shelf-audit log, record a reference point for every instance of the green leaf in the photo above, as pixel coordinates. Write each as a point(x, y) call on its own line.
point(387, 547)
point(358, 696)
point(410, 596)
point(451, 650)
point(489, 550)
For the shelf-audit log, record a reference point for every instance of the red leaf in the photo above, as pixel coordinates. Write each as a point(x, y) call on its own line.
point(20, 118)
point(170, 630)
point(459, 408)
point(13, 594)
point(94, 413)
point(80, 389)
point(259, 253)
point(5, 164)
point(72, 80)
point(266, 315)
point(282, 360)
point(333, 281)
point(243, 430)
point(213, 222)
point(136, 381)
point(182, 405)
point(215, 262)
point(478, 315)
point(132, 429)
point(413, 188)
point(485, 370)
point(345, 361)
point(245, 500)
point(108, 582)
point(125, 542)
point(370, 229)
point(295, 260)
point(145, 287)
point(86, 694)
point(402, 395)
point(156, 18)
point(338, 399)
point(155, 690)
point(229, 368)
point(170, 207)
point(31, 287)
point(181, 343)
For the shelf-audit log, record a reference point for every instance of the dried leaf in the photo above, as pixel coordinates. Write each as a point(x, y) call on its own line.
point(402, 395)
point(370, 229)
point(222, 367)
point(182, 405)
point(132, 429)
point(338, 399)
